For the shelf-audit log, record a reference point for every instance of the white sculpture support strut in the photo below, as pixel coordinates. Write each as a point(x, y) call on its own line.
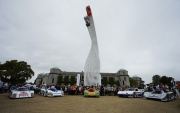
point(92, 66)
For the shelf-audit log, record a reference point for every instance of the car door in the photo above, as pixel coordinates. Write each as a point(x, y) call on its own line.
point(155, 94)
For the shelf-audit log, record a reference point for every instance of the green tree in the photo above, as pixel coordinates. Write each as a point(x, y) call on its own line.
point(156, 79)
point(15, 72)
point(132, 82)
point(60, 80)
point(104, 81)
point(117, 83)
point(111, 81)
point(73, 80)
point(66, 80)
point(166, 80)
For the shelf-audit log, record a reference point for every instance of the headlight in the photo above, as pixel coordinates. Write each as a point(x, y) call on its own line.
point(14, 95)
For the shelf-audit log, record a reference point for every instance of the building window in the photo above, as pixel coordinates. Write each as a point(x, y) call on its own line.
point(123, 82)
point(124, 78)
point(52, 78)
point(124, 73)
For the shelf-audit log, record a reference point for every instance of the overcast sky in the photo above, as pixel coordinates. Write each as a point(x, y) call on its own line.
point(141, 36)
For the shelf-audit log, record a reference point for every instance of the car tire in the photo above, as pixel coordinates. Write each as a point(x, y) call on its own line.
point(44, 94)
point(167, 98)
point(144, 98)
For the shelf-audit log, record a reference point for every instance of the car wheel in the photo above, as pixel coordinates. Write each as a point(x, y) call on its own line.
point(44, 94)
point(144, 98)
point(166, 98)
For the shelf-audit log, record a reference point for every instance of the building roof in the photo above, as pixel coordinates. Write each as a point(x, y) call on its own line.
point(55, 68)
point(42, 74)
point(122, 70)
point(135, 76)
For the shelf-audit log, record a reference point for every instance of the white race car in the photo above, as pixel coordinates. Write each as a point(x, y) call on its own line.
point(163, 95)
point(130, 92)
point(51, 92)
point(21, 92)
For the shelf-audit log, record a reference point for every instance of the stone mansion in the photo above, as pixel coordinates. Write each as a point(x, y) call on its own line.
point(52, 77)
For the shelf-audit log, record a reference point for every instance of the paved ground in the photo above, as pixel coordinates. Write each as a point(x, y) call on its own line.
point(80, 104)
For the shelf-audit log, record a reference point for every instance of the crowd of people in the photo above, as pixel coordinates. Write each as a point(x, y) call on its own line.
point(79, 90)
point(4, 87)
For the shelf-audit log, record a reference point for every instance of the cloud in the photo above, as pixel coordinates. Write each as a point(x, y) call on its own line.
point(140, 36)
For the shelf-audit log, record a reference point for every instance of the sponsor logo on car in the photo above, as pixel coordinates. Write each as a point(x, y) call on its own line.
point(23, 94)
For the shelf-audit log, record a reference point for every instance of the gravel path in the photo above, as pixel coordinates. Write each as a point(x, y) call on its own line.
point(80, 104)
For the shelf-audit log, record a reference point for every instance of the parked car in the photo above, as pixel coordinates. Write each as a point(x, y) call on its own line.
point(131, 92)
point(163, 95)
point(50, 92)
point(21, 92)
point(91, 93)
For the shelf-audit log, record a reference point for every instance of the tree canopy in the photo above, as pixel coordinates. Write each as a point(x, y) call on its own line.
point(156, 79)
point(164, 80)
point(132, 82)
point(15, 72)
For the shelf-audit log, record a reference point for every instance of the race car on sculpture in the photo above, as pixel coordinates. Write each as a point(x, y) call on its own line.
point(21, 92)
point(163, 95)
point(91, 93)
point(131, 92)
point(50, 92)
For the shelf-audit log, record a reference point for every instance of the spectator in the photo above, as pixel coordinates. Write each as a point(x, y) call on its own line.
point(115, 90)
point(1, 87)
point(102, 90)
point(6, 86)
point(65, 90)
point(80, 88)
point(53, 86)
point(179, 86)
point(9, 86)
point(44, 84)
point(73, 90)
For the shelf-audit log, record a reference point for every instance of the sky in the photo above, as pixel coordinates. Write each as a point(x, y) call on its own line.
point(141, 36)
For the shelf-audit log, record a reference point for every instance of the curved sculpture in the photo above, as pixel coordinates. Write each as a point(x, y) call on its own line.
point(92, 66)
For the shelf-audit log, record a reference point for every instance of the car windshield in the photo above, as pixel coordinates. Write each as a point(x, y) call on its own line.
point(13, 87)
point(53, 89)
point(91, 90)
point(22, 89)
point(130, 89)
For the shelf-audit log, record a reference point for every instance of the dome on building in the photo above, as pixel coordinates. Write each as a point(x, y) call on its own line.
point(55, 68)
point(42, 74)
point(122, 70)
point(135, 76)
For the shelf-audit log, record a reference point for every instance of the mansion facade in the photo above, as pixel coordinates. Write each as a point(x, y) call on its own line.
point(51, 78)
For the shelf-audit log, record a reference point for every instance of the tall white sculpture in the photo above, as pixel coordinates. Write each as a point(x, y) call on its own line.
point(92, 66)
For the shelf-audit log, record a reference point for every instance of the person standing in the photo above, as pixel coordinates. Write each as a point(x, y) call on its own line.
point(174, 87)
point(1, 87)
point(179, 86)
point(6, 87)
point(174, 84)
